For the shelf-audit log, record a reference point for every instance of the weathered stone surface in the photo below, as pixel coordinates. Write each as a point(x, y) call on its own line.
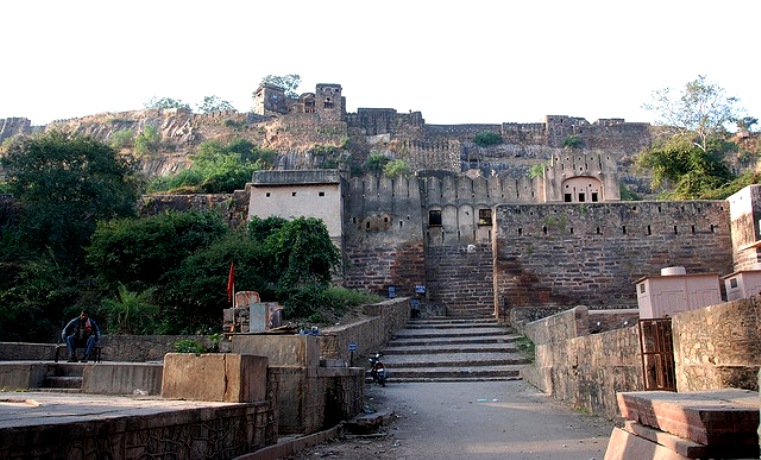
point(123, 378)
point(627, 446)
point(713, 418)
point(225, 377)
point(280, 349)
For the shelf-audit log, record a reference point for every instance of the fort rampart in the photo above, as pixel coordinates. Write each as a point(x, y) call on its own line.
point(592, 254)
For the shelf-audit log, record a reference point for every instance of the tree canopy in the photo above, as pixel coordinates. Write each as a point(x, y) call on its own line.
point(214, 104)
point(702, 108)
point(688, 156)
point(64, 185)
point(166, 103)
point(288, 82)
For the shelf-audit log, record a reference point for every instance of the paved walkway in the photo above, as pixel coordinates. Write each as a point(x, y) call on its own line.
point(475, 421)
point(19, 409)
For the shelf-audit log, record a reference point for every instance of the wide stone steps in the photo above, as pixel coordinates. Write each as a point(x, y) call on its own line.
point(453, 350)
point(464, 349)
point(66, 377)
point(453, 374)
point(471, 361)
point(449, 333)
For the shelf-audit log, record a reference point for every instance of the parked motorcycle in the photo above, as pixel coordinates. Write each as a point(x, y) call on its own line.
point(377, 369)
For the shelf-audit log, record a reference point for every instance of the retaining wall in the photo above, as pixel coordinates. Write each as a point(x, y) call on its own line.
point(714, 347)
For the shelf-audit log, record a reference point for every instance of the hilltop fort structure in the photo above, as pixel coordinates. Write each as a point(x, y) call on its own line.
point(536, 220)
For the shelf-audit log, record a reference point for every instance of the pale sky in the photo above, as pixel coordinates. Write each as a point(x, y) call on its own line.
point(474, 61)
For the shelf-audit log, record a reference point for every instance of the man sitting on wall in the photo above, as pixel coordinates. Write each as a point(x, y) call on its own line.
point(81, 332)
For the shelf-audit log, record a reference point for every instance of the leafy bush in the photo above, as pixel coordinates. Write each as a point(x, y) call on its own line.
point(122, 139)
point(573, 141)
point(189, 346)
point(148, 141)
point(217, 168)
point(131, 312)
point(375, 162)
point(397, 168)
point(339, 299)
point(487, 138)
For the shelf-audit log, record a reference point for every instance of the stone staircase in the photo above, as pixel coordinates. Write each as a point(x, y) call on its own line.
point(447, 349)
point(66, 377)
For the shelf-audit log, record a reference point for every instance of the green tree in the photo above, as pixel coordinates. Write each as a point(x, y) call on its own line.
point(688, 155)
point(304, 253)
point(487, 138)
point(701, 110)
point(214, 104)
point(683, 166)
point(197, 288)
point(140, 252)
point(65, 184)
point(289, 83)
point(166, 103)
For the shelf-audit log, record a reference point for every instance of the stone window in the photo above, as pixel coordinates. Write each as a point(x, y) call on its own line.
point(484, 217)
point(567, 198)
point(434, 217)
point(642, 288)
point(328, 104)
point(733, 283)
point(321, 193)
point(267, 194)
point(595, 198)
point(582, 198)
point(293, 193)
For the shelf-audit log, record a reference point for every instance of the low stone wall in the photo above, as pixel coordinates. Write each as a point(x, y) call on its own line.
point(718, 346)
point(582, 369)
point(123, 378)
point(122, 348)
point(714, 348)
point(228, 431)
point(369, 334)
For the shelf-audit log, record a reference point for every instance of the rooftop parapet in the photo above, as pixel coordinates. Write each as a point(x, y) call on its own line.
point(290, 177)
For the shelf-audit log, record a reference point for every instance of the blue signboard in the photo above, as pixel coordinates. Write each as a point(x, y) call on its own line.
point(391, 292)
point(420, 289)
point(352, 346)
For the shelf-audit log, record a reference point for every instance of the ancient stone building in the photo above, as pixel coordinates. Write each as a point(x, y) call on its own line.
point(534, 220)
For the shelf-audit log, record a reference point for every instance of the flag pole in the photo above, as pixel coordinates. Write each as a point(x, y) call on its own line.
point(231, 294)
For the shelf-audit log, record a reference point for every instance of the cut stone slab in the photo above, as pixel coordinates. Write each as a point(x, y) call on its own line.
point(627, 446)
point(688, 448)
point(712, 418)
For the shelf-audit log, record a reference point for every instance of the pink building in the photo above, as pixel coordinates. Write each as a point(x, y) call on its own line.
point(743, 283)
point(675, 291)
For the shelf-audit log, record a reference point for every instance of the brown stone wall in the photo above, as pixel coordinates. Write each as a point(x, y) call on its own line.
point(592, 254)
point(460, 277)
point(228, 431)
point(584, 370)
point(376, 267)
point(718, 346)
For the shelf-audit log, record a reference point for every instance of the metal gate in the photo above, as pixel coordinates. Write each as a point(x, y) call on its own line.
point(656, 345)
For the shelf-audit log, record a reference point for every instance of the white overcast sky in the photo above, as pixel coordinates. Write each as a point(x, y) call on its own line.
point(474, 61)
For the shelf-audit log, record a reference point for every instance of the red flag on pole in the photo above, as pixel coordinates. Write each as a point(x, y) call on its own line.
point(231, 283)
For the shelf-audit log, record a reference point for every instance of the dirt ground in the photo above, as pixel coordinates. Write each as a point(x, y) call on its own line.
point(477, 420)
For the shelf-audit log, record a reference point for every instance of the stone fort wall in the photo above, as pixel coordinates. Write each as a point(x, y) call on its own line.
point(592, 254)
